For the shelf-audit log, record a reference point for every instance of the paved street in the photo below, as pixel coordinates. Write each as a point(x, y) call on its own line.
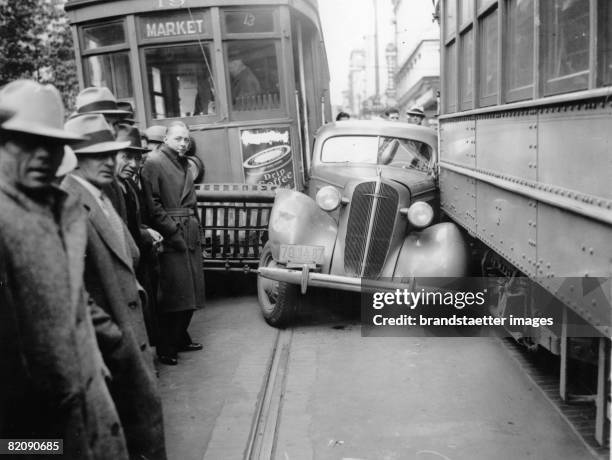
point(348, 397)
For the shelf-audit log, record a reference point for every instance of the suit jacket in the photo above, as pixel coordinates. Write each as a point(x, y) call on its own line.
point(111, 280)
point(171, 204)
point(52, 383)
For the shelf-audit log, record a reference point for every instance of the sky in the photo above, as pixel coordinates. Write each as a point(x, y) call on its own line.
point(346, 25)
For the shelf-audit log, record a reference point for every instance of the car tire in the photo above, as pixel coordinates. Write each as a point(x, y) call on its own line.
point(278, 300)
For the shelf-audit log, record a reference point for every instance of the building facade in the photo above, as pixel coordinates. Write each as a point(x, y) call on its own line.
point(417, 76)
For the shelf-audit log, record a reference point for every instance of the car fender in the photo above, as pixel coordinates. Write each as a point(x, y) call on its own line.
point(297, 219)
point(436, 252)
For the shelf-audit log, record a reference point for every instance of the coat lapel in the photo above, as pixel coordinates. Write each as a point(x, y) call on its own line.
point(100, 221)
point(74, 231)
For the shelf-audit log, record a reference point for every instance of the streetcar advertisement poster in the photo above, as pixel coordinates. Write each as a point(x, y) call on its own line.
point(266, 156)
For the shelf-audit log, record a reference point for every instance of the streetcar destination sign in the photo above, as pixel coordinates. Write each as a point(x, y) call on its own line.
point(175, 26)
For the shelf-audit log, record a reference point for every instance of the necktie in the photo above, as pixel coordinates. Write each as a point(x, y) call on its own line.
point(114, 220)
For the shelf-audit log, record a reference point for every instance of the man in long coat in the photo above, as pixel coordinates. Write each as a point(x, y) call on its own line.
point(111, 280)
point(53, 377)
point(171, 204)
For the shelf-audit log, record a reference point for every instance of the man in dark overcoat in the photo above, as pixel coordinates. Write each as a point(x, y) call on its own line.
point(171, 204)
point(111, 280)
point(53, 376)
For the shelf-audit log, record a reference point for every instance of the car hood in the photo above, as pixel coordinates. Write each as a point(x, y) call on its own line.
point(416, 182)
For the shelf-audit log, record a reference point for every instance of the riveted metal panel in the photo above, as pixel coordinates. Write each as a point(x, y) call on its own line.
point(458, 198)
point(507, 223)
point(575, 257)
point(457, 142)
point(574, 142)
point(508, 145)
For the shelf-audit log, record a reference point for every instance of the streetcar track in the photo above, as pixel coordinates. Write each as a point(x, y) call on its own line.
point(579, 417)
point(264, 430)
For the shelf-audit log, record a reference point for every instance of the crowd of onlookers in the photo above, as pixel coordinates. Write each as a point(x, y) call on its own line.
point(415, 115)
point(100, 262)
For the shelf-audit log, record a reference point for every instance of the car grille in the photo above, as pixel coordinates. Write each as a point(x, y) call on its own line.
point(359, 219)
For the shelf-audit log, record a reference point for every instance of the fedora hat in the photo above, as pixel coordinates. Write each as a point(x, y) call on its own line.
point(98, 99)
point(132, 135)
point(156, 133)
point(124, 105)
point(99, 136)
point(38, 110)
point(416, 112)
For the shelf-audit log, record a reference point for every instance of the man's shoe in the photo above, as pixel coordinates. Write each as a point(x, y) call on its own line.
point(169, 360)
point(193, 346)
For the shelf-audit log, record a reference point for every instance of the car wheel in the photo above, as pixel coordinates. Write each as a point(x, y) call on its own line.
point(278, 300)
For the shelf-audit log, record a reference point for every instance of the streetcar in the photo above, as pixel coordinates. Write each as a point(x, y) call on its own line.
point(250, 80)
point(526, 169)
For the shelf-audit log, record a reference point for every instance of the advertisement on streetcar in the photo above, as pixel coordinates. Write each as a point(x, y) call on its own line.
point(267, 158)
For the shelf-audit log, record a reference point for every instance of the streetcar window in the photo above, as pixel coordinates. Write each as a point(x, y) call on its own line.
point(450, 15)
point(488, 59)
point(467, 69)
point(450, 78)
point(520, 23)
point(103, 35)
point(111, 70)
point(465, 11)
point(566, 45)
point(180, 81)
point(249, 21)
point(605, 43)
point(253, 75)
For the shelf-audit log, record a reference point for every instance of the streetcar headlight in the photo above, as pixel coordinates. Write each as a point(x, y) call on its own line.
point(420, 214)
point(328, 198)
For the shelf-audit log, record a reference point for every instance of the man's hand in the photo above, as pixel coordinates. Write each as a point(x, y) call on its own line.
point(156, 237)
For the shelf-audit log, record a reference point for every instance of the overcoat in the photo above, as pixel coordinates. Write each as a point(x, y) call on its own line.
point(171, 203)
point(53, 377)
point(126, 198)
point(111, 281)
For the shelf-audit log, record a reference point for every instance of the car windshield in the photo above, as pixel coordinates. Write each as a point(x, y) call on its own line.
point(382, 150)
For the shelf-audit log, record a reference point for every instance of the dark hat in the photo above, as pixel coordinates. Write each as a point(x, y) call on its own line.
point(131, 135)
point(38, 110)
point(125, 105)
point(415, 111)
point(99, 136)
point(98, 99)
point(156, 133)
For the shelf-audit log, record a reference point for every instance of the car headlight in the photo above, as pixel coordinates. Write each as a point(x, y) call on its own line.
point(328, 198)
point(420, 214)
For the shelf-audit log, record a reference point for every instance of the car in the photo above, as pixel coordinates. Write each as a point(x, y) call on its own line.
point(371, 212)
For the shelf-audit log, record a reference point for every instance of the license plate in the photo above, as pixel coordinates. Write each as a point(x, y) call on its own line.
point(301, 254)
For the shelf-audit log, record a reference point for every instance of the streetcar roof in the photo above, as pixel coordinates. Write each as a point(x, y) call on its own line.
point(90, 10)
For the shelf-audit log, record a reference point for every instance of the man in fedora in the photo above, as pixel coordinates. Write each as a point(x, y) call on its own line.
point(99, 99)
point(415, 116)
point(154, 136)
point(53, 376)
point(127, 170)
point(171, 203)
point(111, 280)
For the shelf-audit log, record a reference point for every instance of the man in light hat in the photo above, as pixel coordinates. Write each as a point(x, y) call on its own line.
point(155, 136)
point(99, 99)
point(111, 280)
point(53, 376)
point(415, 116)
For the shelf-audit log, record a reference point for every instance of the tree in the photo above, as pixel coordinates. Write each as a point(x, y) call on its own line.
point(37, 43)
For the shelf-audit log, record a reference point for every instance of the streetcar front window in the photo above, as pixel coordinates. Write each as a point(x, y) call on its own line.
point(103, 35)
point(180, 81)
point(253, 75)
point(111, 70)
